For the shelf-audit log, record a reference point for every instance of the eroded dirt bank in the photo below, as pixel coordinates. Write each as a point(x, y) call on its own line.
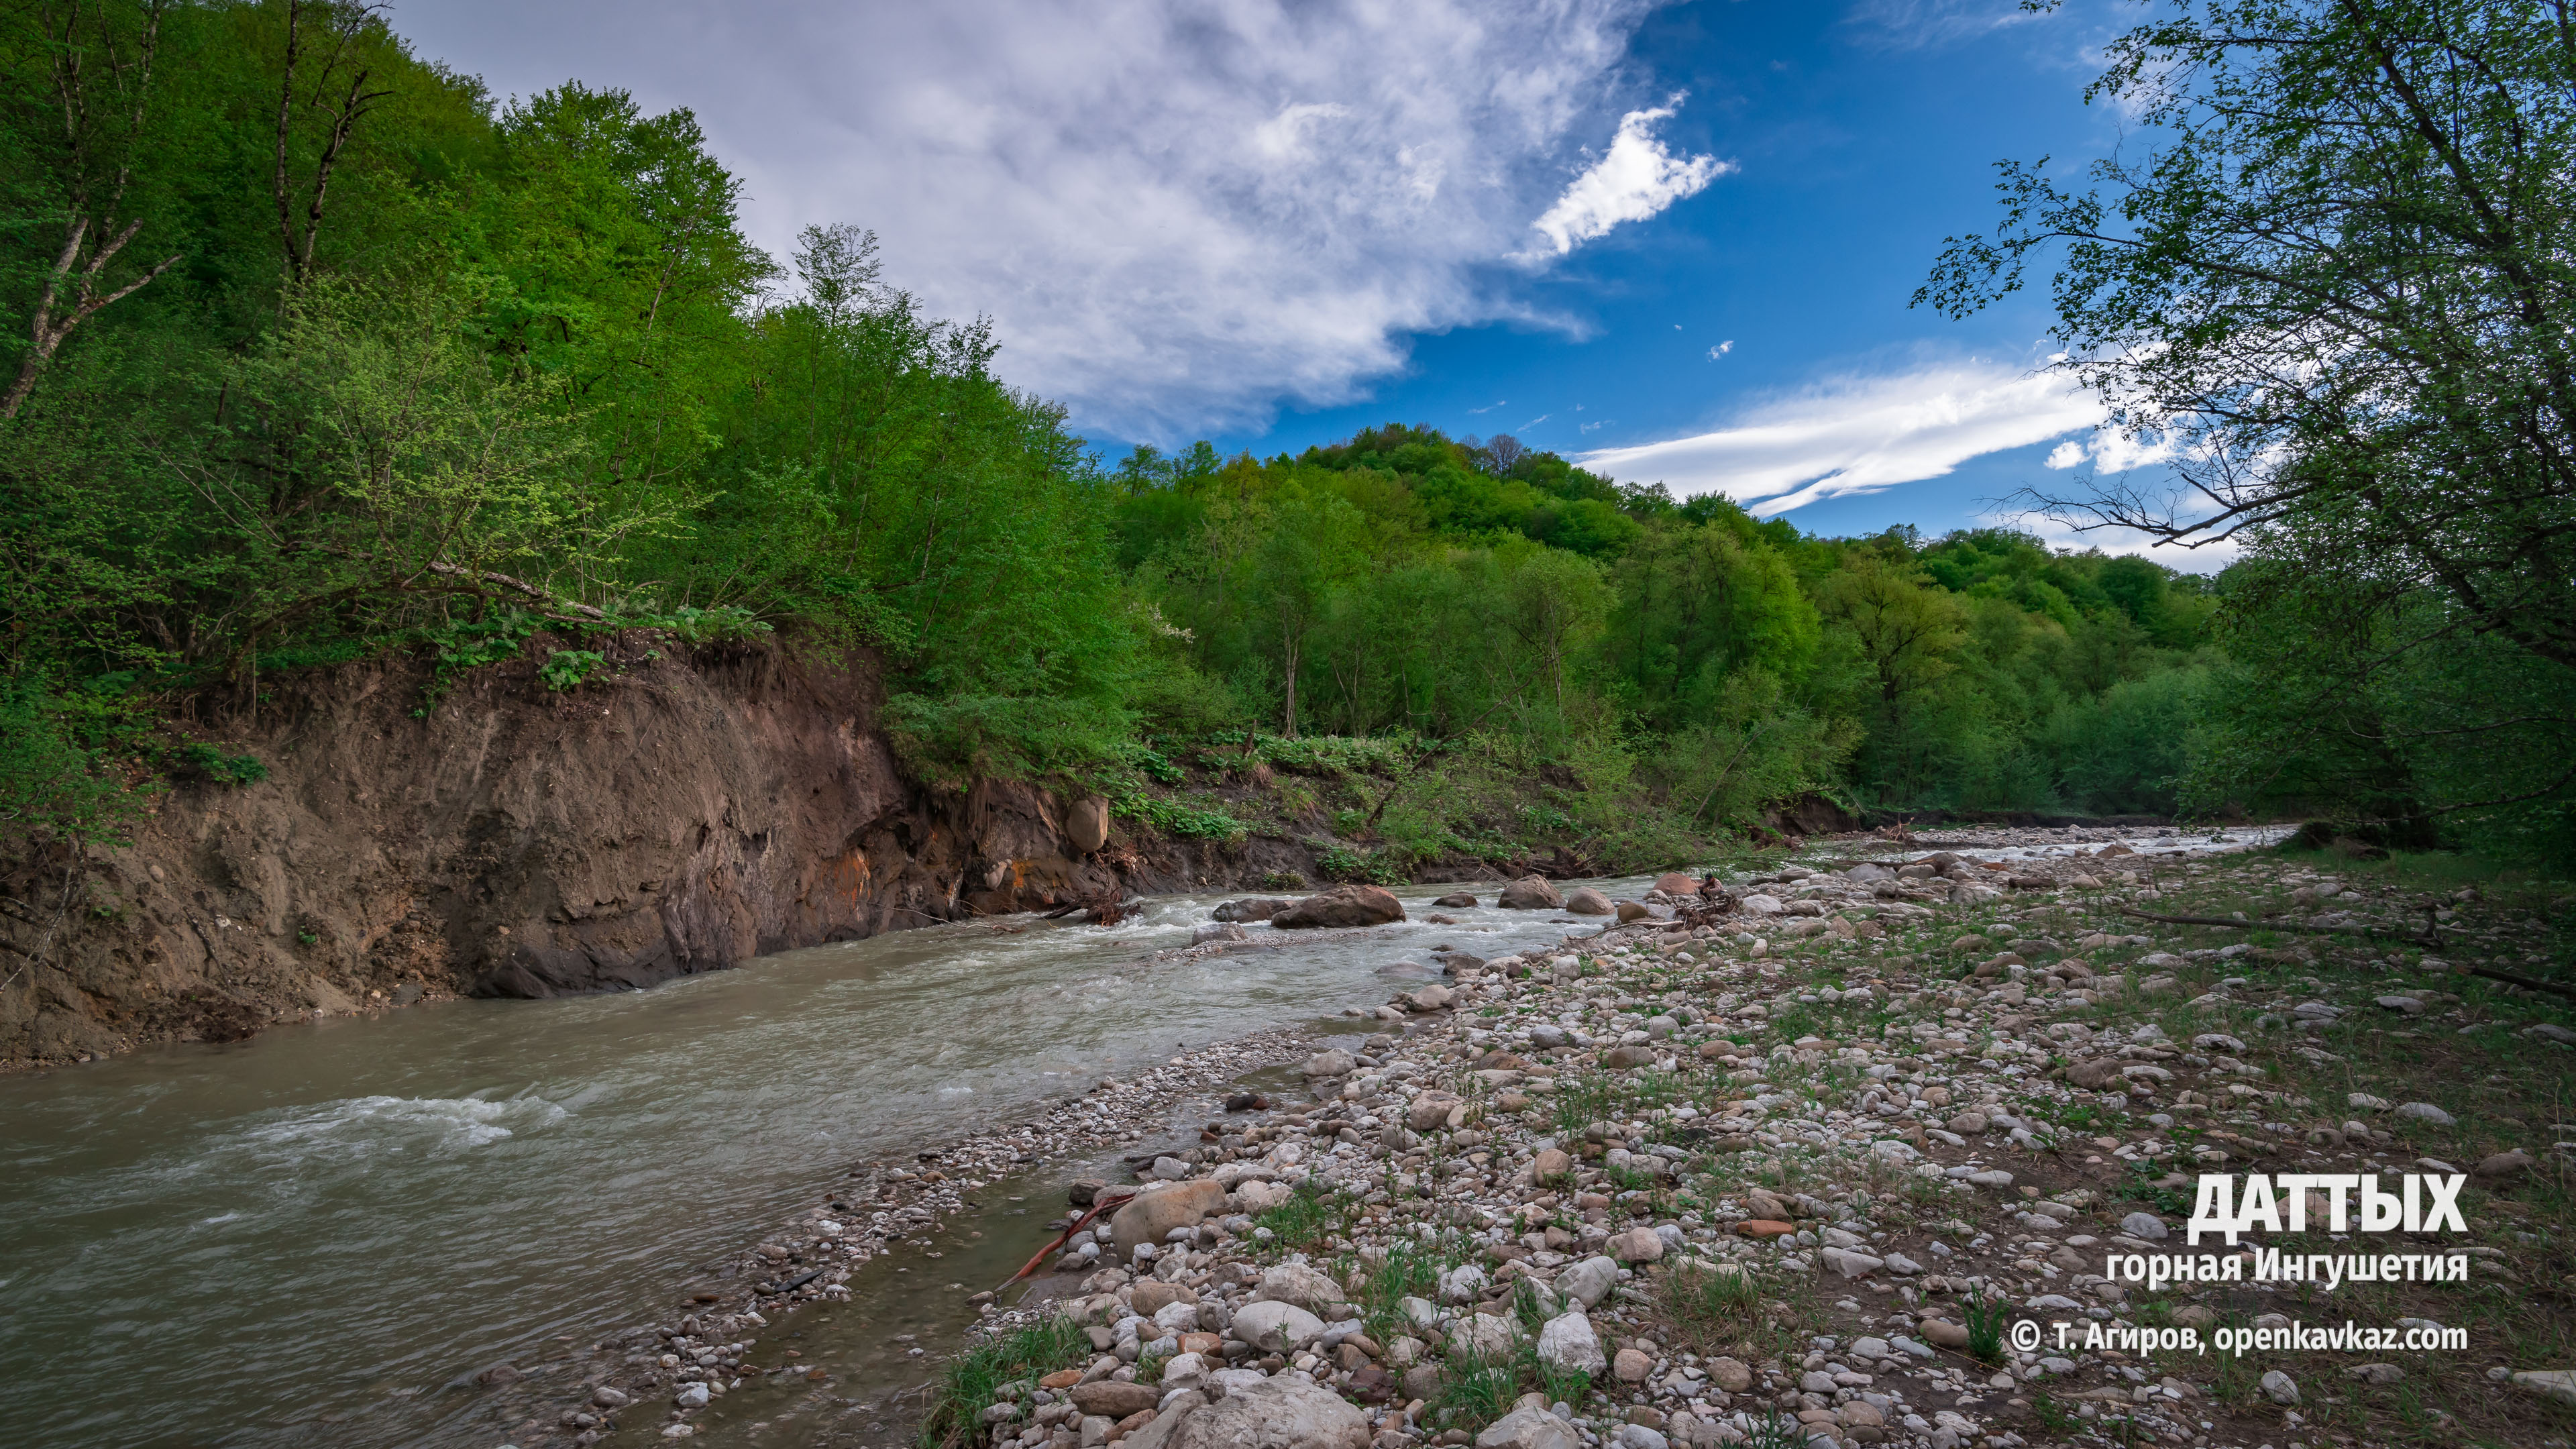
point(679, 812)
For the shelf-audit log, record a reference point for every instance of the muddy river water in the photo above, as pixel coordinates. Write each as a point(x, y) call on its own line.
point(318, 1236)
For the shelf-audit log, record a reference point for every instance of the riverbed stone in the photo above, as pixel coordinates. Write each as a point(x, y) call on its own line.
point(1585, 901)
point(1529, 1427)
point(1288, 1411)
point(1111, 1399)
point(1305, 1286)
point(1276, 1327)
point(1342, 906)
point(1589, 1281)
point(1568, 1342)
point(1530, 893)
point(1151, 1215)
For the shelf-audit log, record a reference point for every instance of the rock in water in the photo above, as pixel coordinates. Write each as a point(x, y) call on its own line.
point(1343, 905)
point(1455, 901)
point(1588, 902)
point(1250, 910)
point(1530, 893)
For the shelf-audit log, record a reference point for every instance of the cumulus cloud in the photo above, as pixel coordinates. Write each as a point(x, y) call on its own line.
point(1177, 212)
point(1635, 179)
point(2112, 450)
point(1861, 434)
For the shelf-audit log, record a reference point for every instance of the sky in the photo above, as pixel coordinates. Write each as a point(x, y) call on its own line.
point(1675, 242)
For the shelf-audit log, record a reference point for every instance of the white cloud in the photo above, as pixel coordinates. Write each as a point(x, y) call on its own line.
point(1178, 212)
point(1861, 434)
point(1721, 349)
point(2111, 450)
point(1635, 179)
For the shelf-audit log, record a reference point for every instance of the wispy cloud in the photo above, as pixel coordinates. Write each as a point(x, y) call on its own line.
point(1861, 434)
point(1721, 349)
point(1635, 179)
point(1919, 24)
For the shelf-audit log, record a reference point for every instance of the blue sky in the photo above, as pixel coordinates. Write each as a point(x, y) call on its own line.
point(1272, 223)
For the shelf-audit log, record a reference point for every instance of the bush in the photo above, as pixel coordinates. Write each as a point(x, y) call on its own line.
point(53, 782)
point(209, 762)
point(567, 668)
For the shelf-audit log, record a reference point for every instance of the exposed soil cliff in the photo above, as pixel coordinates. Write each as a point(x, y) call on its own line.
point(674, 814)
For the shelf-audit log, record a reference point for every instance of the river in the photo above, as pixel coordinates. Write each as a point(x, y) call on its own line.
point(308, 1237)
point(313, 1237)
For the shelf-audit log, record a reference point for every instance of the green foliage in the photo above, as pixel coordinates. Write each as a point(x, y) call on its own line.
point(567, 668)
point(1309, 1219)
point(1178, 818)
point(209, 762)
point(528, 377)
point(975, 1378)
point(57, 767)
point(1987, 1317)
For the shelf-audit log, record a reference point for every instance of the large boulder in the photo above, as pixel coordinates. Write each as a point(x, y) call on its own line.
point(1257, 909)
point(1676, 883)
point(1290, 1411)
point(1086, 825)
point(1343, 905)
point(1151, 1215)
point(1585, 901)
point(1530, 893)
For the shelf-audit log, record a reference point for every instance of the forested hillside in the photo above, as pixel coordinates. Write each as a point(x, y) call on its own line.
point(322, 351)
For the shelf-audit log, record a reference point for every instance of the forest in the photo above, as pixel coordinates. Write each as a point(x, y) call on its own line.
point(319, 352)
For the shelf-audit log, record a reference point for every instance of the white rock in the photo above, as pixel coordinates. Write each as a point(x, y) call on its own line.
point(1529, 1427)
point(1568, 1342)
point(1275, 1327)
point(2424, 1112)
point(2280, 1388)
point(1851, 1264)
point(1463, 1284)
point(1289, 1409)
point(2559, 1384)
point(1589, 1281)
point(2145, 1225)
